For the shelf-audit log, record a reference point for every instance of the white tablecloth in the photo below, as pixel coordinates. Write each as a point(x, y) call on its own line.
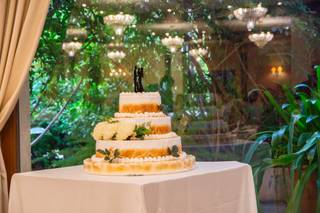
point(212, 187)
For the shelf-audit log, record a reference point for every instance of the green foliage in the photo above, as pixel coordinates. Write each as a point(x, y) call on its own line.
point(141, 131)
point(110, 155)
point(174, 151)
point(296, 143)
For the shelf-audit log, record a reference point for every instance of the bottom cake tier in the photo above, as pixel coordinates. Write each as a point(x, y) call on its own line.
point(139, 168)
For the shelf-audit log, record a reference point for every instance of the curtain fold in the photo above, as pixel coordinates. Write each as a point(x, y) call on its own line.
point(3, 186)
point(21, 24)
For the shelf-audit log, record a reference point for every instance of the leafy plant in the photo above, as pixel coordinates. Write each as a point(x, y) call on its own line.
point(296, 143)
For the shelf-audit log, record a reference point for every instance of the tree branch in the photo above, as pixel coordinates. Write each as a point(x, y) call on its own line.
point(57, 115)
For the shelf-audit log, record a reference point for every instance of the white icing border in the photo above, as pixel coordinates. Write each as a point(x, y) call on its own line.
point(140, 160)
point(140, 93)
point(160, 136)
point(139, 115)
point(154, 121)
point(139, 144)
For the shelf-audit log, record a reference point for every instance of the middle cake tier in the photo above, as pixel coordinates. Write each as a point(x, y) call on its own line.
point(159, 122)
point(140, 148)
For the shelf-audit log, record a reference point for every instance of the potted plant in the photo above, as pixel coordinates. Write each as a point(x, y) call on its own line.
point(295, 144)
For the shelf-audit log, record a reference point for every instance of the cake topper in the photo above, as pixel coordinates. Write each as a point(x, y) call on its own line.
point(138, 75)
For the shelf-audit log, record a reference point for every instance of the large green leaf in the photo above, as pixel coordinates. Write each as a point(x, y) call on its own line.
point(253, 148)
point(316, 103)
point(295, 198)
point(310, 143)
point(311, 118)
point(317, 69)
point(310, 154)
point(284, 115)
point(297, 164)
point(284, 160)
point(302, 86)
point(294, 119)
point(303, 138)
point(290, 97)
point(278, 135)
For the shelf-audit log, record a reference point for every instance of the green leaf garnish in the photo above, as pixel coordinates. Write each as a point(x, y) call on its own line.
point(128, 138)
point(107, 152)
point(108, 155)
point(116, 153)
point(101, 151)
point(114, 136)
point(141, 131)
point(175, 151)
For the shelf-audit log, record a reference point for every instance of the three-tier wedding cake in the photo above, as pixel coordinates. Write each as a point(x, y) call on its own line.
point(138, 140)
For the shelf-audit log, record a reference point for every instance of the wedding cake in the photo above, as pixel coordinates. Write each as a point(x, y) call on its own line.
point(138, 140)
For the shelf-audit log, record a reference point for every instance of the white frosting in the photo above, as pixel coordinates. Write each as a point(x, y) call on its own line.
point(138, 115)
point(97, 160)
point(139, 144)
point(154, 121)
point(160, 136)
point(139, 98)
point(140, 160)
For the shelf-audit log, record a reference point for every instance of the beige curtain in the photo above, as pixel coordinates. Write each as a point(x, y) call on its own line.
point(21, 23)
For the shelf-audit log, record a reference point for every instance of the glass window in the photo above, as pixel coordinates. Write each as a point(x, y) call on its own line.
point(210, 61)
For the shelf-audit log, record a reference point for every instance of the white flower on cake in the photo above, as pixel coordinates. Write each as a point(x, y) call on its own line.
point(120, 130)
point(125, 130)
point(105, 130)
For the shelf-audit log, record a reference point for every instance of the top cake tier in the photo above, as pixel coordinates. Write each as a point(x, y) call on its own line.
point(142, 102)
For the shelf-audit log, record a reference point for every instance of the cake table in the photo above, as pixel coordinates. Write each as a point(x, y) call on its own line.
point(211, 187)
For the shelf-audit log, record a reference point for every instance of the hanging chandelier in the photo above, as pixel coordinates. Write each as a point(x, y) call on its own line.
point(116, 55)
point(261, 39)
point(119, 22)
point(198, 53)
point(173, 43)
point(115, 44)
point(71, 47)
point(250, 15)
point(76, 32)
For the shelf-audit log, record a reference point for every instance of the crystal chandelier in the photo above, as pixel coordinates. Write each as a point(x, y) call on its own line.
point(71, 47)
point(115, 44)
point(76, 32)
point(261, 39)
point(116, 55)
point(198, 53)
point(119, 22)
point(173, 43)
point(250, 15)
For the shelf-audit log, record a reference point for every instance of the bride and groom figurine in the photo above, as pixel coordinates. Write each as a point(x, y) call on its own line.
point(138, 75)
